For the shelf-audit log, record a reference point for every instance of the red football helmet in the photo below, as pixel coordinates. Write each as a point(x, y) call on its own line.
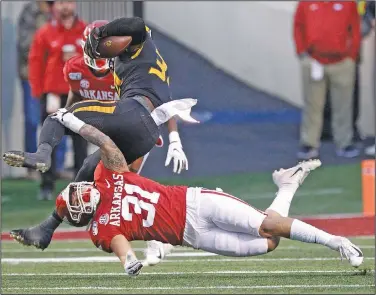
point(77, 203)
point(100, 64)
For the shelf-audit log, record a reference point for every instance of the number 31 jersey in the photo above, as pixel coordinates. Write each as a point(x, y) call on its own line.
point(143, 72)
point(138, 208)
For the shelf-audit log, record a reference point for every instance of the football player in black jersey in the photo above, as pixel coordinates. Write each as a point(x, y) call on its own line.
point(142, 81)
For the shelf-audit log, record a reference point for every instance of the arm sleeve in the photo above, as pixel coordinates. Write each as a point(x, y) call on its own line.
point(299, 27)
point(133, 26)
point(355, 32)
point(37, 64)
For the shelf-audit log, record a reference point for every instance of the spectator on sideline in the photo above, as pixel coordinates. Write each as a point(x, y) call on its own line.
point(370, 13)
point(327, 39)
point(32, 17)
point(366, 28)
point(54, 44)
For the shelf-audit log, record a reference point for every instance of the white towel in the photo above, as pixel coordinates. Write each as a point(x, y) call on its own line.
point(180, 107)
point(317, 70)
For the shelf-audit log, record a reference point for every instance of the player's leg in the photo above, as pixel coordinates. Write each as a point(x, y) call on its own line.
point(242, 218)
point(277, 224)
point(50, 136)
point(295, 229)
point(223, 242)
point(40, 235)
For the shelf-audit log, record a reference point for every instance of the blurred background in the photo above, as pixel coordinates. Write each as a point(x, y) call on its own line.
point(246, 65)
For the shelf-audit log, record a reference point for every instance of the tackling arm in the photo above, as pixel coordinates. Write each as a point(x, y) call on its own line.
point(111, 156)
point(123, 250)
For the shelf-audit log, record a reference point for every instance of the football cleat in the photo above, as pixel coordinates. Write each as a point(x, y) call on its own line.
point(155, 252)
point(28, 160)
point(296, 174)
point(35, 236)
point(351, 252)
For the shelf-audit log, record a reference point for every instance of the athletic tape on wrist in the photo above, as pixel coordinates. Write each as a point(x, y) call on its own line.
point(174, 136)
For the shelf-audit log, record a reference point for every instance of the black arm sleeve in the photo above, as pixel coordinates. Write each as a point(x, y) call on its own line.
point(132, 26)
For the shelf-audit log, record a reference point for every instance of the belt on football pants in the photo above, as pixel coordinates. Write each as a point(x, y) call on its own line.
point(144, 101)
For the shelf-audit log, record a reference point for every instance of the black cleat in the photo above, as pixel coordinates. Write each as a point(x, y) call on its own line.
point(35, 161)
point(36, 236)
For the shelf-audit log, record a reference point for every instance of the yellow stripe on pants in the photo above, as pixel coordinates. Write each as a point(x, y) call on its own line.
point(99, 109)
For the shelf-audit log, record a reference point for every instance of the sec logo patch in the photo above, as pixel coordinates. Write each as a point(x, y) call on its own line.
point(75, 76)
point(84, 84)
point(104, 219)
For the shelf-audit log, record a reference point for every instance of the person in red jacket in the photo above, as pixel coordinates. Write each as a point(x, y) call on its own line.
point(327, 38)
point(52, 46)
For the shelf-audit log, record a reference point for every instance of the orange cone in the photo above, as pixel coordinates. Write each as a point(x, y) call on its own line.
point(368, 187)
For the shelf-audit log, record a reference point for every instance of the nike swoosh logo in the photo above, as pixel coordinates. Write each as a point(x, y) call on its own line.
point(360, 254)
point(297, 170)
point(159, 255)
point(108, 184)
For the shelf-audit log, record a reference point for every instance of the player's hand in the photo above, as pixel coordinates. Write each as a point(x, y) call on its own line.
point(59, 114)
point(133, 268)
point(92, 42)
point(68, 120)
point(175, 152)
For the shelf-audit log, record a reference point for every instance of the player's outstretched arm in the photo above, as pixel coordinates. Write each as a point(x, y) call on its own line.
point(122, 248)
point(125, 26)
point(175, 149)
point(111, 156)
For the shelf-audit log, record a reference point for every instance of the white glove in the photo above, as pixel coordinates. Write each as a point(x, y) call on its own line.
point(68, 120)
point(133, 266)
point(175, 151)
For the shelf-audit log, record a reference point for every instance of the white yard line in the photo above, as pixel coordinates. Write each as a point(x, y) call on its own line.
point(74, 241)
point(72, 250)
point(192, 287)
point(184, 273)
point(91, 259)
point(303, 193)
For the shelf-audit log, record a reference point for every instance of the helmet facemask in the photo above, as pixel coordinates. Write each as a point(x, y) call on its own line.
point(100, 64)
point(81, 199)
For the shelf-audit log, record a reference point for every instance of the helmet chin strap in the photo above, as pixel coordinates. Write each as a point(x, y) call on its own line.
point(95, 197)
point(93, 64)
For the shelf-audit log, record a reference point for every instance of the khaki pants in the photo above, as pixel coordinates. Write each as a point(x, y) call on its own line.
point(340, 78)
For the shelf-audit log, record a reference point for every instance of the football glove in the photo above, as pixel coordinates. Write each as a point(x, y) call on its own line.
point(92, 42)
point(175, 152)
point(68, 120)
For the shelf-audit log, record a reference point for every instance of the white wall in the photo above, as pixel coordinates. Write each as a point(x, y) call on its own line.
point(251, 40)
point(12, 116)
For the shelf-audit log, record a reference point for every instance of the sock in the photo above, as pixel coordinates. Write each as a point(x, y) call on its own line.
point(281, 203)
point(52, 222)
point(303, 232)
point(50, 136)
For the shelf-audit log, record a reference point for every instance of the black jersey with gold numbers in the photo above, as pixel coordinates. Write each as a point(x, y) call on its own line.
point(143, 72)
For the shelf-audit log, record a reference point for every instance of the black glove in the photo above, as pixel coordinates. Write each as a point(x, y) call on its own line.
point(92, 42)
